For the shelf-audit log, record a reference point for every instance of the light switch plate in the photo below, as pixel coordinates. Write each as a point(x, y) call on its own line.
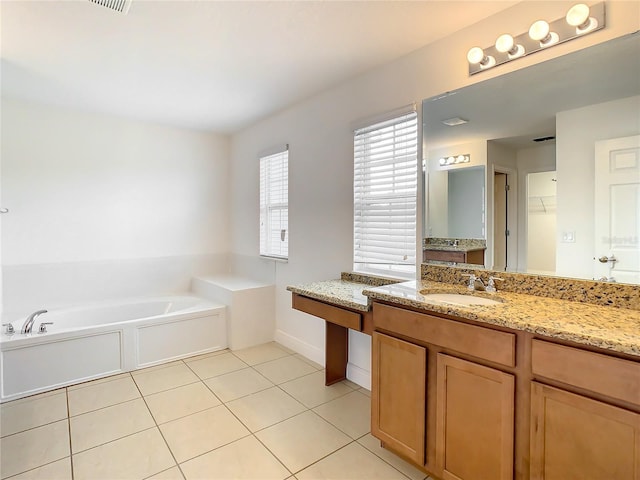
point(569, 237)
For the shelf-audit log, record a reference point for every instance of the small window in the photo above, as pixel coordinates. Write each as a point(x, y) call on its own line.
point(385, 186)
point(274, 205)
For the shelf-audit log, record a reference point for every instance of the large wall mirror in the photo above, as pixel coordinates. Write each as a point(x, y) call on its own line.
point(541, 166)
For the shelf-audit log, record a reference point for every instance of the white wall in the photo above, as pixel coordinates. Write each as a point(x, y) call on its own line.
point(577, 131)
point(94, 195)
point(540, 158)
point(541, 222)
point(467, 203)
point(319, 132)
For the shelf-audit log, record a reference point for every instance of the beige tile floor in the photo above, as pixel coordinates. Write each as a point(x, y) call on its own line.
point(259, 413)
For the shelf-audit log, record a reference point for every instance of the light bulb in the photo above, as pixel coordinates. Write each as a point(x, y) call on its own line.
point(475, 55)
point(450, 160)
point(578, 15)
point(443, 161)
point(504, 43)
point(539, 30)
point(461, 159)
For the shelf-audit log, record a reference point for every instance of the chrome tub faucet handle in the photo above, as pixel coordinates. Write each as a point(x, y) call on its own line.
point(28, 324)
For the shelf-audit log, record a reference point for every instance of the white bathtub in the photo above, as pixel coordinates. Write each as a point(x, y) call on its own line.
point(98, 340)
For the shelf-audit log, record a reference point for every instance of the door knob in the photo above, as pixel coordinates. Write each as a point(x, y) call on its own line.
point(605, 259)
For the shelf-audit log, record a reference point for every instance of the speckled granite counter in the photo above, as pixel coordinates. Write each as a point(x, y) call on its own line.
point(336, 292)
point(344, 292)
point(610, 328)
point(451, 248)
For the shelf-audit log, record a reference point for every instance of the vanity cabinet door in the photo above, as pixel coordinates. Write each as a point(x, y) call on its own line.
point(398, 403)
point(474, 424)
point(575, 437)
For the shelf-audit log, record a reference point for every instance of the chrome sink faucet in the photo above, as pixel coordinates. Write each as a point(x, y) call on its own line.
point(476, 283)
point(491, 286)
point(28, 324)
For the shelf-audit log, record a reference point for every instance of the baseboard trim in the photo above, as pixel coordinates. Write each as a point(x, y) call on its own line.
point(359, 375)
point(305, 349)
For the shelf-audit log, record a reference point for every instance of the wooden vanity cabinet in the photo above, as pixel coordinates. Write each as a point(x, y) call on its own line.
point(398, 395)
point(456, 256)
point(464, 407)
point(450, 396)
point(573, 436)
point(474, 423)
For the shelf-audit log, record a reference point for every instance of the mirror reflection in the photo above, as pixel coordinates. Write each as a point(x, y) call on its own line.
point(555, 152)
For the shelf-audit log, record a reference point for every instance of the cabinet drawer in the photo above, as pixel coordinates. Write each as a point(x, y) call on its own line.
point(337, 315)
point(597, 372)
point(445, 256)
point(480, 342)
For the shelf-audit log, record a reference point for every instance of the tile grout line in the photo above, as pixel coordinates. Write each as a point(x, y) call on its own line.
point(201, 380)
point(66, 394)
point(158, 427)
point(384, 460)
point(251, 433)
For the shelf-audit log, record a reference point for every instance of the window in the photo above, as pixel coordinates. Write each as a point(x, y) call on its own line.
point(385, 185)
point(274, 205)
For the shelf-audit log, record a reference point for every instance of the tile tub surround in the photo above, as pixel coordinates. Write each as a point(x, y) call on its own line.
point(221, 427)
point(572, 289)
point(614, 329)
point(344, 292)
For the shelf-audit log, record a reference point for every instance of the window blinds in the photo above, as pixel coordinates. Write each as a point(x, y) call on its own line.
point(274, 205)
point(385, 185)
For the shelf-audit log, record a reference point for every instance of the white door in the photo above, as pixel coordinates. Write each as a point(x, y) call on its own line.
point(617, 210)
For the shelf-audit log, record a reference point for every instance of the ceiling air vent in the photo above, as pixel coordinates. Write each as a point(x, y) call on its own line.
point(121, 6)
point(544, 139)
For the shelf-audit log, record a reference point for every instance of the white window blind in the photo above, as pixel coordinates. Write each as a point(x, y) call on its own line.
point(385, 185)
point(274, 205)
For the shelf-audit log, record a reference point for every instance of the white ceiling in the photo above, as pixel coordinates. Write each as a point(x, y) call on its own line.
point(213, 65)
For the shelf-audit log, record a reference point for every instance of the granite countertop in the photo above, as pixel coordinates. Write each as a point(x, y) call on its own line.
point(344, 293)
point(610, 328)
point(451, 248)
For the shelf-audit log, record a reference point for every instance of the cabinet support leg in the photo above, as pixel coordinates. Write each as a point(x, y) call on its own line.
point(336, 353)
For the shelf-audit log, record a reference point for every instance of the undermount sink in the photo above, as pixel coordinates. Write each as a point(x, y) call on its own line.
point(459, 299)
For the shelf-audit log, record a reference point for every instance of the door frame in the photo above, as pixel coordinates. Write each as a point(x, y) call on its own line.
point(512, 216)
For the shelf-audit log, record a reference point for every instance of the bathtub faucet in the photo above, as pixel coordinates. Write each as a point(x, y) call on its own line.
point(28, 324)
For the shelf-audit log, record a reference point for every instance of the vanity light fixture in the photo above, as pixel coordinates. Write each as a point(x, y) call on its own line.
point(580, 20)
point(454, 159)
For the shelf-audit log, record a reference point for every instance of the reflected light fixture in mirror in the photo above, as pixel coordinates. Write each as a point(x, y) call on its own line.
point(579, 20)
point(454, 159)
